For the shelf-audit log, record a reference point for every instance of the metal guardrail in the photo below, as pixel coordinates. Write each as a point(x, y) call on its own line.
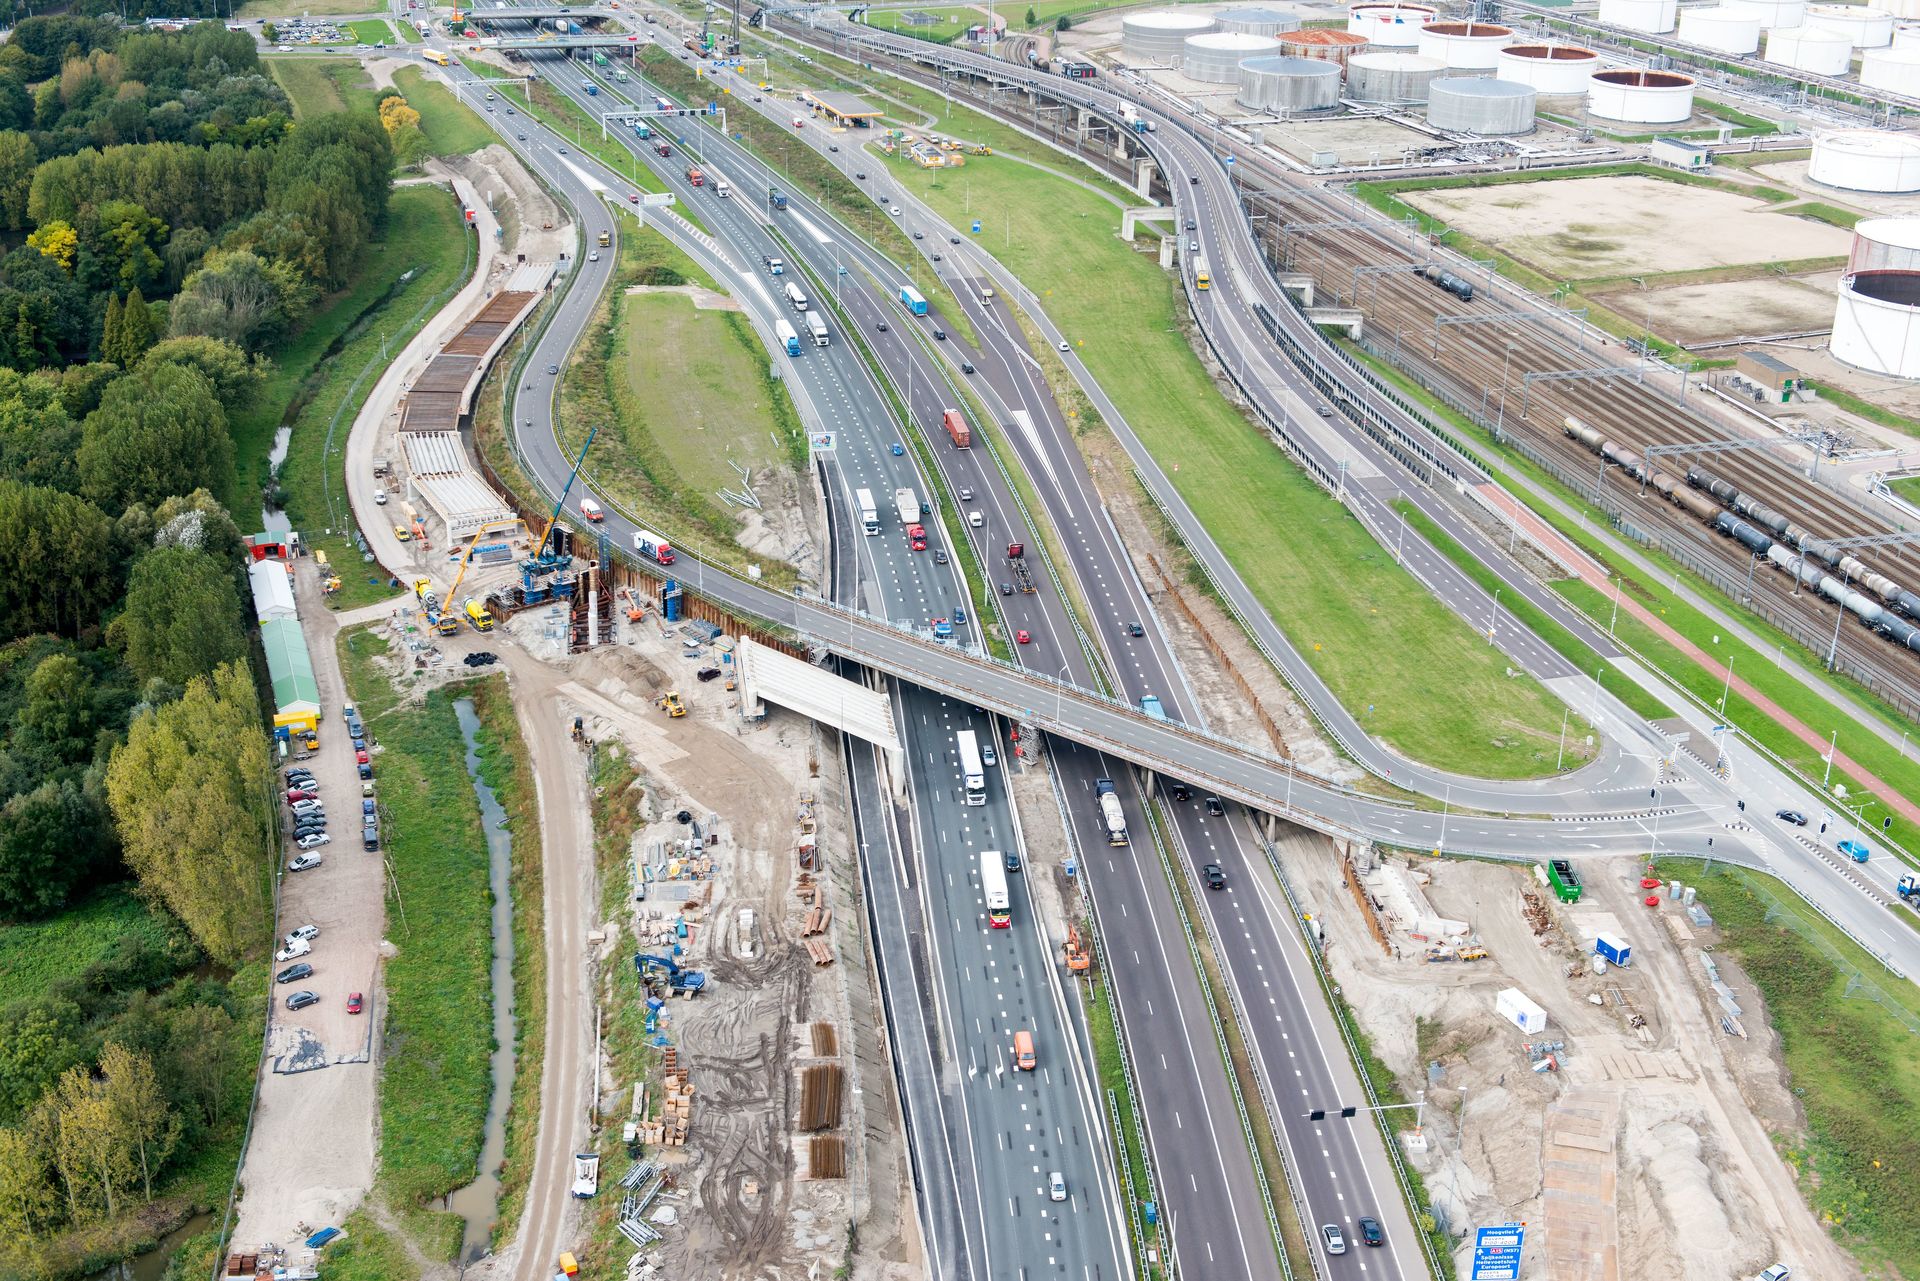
point(1150, 808)
point(1331, 992)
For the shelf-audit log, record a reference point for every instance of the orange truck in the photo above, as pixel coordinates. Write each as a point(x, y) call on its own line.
point(695, 177)
point(1023, 1059)
point(957, 429)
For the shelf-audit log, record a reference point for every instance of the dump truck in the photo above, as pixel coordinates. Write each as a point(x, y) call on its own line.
point(957, 429)
point(1075, 952)
point(1564, 881)
point(695, 177)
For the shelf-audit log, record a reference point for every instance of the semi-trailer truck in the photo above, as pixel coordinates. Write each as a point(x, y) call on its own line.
point(818, 328)
point(653, 547)
point(788, 338)
point(795, 298)
point(908, 505)
point(1110, 811)
point(957, 429)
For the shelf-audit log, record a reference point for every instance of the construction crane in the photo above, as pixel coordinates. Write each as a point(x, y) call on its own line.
point(447, 621)
point(540, 562)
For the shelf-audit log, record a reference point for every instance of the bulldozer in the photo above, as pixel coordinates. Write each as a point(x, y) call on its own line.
point(1075, 953)
point(670, 704)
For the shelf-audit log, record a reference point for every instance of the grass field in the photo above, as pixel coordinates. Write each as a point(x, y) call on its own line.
point(37, 954)
point(1370, 630)
point(434, 1078)
point(321, 86)
point(367, 1252)
point(952, 24)
point(1853, 1065)
point(452, 128)
point(299, 8)
point(1563, 642)
point(1908, 487)
point(324, 378)
point(509, 772)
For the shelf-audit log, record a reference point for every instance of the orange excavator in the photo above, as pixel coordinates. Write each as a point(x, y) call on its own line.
point(1077, 957)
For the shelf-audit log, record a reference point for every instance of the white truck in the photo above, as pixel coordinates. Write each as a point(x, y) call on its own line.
point(818, 328)
point(1111, 814)
point(907, 505)
point(869, 514)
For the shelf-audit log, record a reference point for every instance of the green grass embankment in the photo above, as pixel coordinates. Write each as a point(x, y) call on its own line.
point(1852, 1059)
point(452, 128)
point(435, 1076)
point(1370, 630)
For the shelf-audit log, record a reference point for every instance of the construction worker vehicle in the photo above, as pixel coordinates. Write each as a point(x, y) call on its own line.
point(670, 703)
point(1074, 952)
point(679, 981)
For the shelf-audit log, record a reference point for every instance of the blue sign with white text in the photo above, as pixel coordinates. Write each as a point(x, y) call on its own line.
point(1496, 1252)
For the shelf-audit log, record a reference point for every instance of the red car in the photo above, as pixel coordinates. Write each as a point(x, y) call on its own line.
point(633, 197)
point(360, 757)
point(353, 1002)
point(302, 794)
point(1022, 637)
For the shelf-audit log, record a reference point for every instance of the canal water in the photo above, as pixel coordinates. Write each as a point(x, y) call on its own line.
point(479, 1202)
point(152, 1265)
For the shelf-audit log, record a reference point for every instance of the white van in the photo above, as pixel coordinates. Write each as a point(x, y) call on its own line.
point(591, 510)
point(975, 519)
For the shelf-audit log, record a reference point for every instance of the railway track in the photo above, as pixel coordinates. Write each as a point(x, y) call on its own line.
point(1480, 368)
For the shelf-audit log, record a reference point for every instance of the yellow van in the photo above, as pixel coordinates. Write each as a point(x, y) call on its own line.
point(1023, 1050)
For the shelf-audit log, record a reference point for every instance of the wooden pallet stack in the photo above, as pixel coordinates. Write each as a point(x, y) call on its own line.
point(676, 1106)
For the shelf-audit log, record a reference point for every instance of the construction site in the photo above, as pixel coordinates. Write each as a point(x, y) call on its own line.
point(1629, 1113)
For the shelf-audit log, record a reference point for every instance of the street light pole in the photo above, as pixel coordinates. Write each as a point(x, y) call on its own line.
point(1560, 760)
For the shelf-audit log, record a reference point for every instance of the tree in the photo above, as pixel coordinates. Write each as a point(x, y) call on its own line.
point(38, 437)
point(197, 520)
point(110, 329)
point(182, 616)
point(396, 116)
point(29, 1206)
point(18, 157)
point(158, 433)
point(236, 379)
point(51, 841)
point(39, 1039)
point(269, 33)
point(56, 561)
point(140, 1110)
point(94, 1165)
point(57, 722)
point(1063, 23)
point(57, 240)
point(128, 239)
point(1031, 16)
point(189, 792)
point(241, 298)
point(126, 341)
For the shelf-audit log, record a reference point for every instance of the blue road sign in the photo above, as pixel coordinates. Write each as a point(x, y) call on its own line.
point(1496, 1252)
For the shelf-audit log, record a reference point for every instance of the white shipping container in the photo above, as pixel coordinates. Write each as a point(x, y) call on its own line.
point(1513, 1005)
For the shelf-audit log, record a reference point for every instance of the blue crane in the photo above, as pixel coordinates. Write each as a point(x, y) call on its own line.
point(540, 562)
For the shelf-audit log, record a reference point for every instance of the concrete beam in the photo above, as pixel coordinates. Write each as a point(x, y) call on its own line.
point(1298, 282)
point(1351, 318)
point(1130, 219)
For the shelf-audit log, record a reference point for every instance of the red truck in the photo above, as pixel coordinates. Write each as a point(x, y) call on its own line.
point(957, 429)
point(695, 177)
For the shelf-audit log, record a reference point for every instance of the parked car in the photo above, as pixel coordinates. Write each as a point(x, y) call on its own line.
point(354, 1004)
point(313, 841)
point(316, 827)
point(298, 774)
point(1778, 1272)
point(304, 934)
point(301, 862)
point(366, 806)
point(294, 950)
point(1215, 878)
point(360, 757)
point(301, 1000)
point(303, 794)
point(293, 973)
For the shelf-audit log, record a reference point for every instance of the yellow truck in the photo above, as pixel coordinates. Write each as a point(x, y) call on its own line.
point(482, 621)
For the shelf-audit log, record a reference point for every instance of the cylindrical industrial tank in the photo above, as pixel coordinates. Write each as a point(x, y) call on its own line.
point(1159, 37)
point(1216, 56)
point(1328, 46)
point(1866, 160)
point(1284, 85)
point(1892, 70)
point(1476, 105)
point(1773, 13)
point(1907, 36)
point(1866, 27)
point(1395, 26)
point(1641, 97)
point(1728, 28)
point(1256, 22)
point(1553, 70)
point(1902, 9)
point(1470, 46)
point(1876, 324)
point(1812, 49)
point(1389, 76)
point(1640, 15)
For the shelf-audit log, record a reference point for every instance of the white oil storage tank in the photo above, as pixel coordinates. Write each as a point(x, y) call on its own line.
point(1907, 36)
point(1892, 71)
point(1394, 26)
point(1876, 324)
point(1866, 160)
point(1656, 16)
point(1641, 97)
point(1286, 86)
point(1159, 37)
point(1386, 75)
point(1216, 56)
point(1256, 22)
point(1774, 13)
point(1865, 26)
point(1319, 42)
point(1476, 105)
point(1553, 70)
point(1902, 9)
point(1725, 27)
point(1467, 46)
point(1812, 49)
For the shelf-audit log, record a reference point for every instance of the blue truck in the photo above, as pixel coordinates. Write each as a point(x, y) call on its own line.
point(778, 197)
point(1150, 704)
point(788, 337)
point(910, 299)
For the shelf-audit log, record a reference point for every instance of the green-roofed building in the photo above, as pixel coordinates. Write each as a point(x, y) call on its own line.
point(296, 695)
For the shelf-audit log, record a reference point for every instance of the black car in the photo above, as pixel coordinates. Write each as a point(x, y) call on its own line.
point(966, 366)
point(1189, 224)
point(953, 240)
point(940, 335)
point(1006, 589)
point(1195, 180)
point(882, 326)
point(940, 556)
point(311, 827)
point(1370, 1233)
point(1181, 792)
point(301, 1000)
point(293, 973)
point(1214, 807)
point(1213, 876)
point(1794, 817)
point(1134, 629)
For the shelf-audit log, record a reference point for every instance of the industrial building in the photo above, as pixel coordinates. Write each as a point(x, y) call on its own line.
point(296, 694)
point(1257, 22)
point(1465, 46)
point(1395, 26)
point(1216, 56)
point(1329, 46)
point(272, 588)
point(1551, 70)
point(1641, 97)
point(1812, 49)
point(1876, 323)
point(1728, 28)
point(1387, 75)
point(1893, 70)
point(1653, 16)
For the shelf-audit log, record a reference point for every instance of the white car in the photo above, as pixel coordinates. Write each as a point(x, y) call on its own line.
point(305, 934)
point(1056, 1186)
point(895, 211)
point(313, 842)
point(1778, 1272)
point(380, 497)
point(1064, 346)
point(301, 862)
point(294, 949)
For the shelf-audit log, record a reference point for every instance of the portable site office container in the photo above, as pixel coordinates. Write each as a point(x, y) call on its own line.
point(1514, 1007)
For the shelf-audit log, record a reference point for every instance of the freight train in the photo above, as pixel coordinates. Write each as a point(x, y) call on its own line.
point(1767, 534)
